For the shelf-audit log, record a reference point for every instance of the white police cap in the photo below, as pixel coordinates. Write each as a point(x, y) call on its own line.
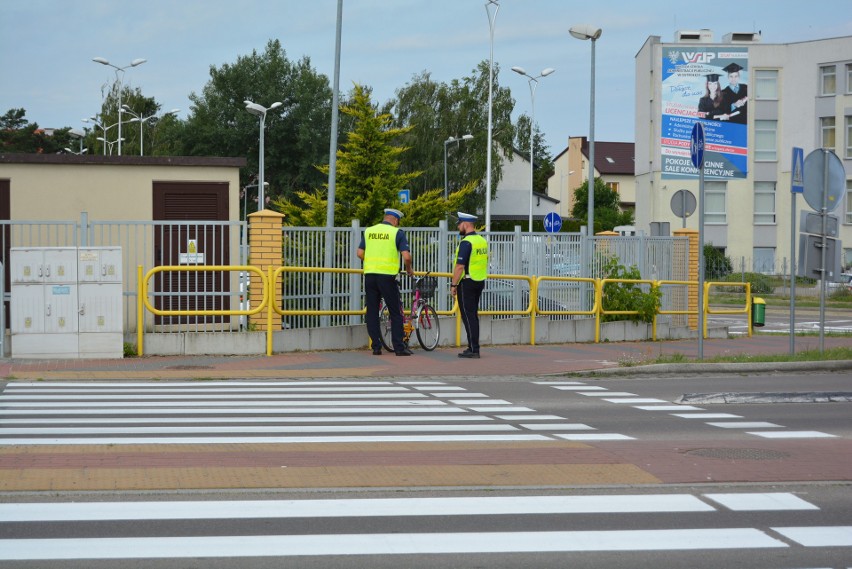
point(465, 216)
point(394, 212)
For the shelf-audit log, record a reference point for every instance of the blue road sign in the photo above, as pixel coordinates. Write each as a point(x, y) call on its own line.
point(797, 171)
point(552, 222)
point(404, 196)
point(696, 145)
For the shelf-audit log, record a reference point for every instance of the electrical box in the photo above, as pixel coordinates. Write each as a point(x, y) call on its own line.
point(66, 302)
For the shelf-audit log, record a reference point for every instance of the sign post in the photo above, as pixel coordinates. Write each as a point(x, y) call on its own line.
point(696, 150)
point(797, 186)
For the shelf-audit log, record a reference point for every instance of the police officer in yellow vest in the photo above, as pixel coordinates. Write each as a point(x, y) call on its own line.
point(468, 280)
point(380, 249)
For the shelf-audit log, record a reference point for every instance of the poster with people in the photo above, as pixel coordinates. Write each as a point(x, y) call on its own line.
point(708, 85)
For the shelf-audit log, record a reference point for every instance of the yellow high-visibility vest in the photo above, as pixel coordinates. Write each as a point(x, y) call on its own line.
point(477, 267)
point(380, 253)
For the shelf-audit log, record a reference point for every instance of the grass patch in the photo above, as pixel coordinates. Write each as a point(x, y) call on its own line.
point(830, 354)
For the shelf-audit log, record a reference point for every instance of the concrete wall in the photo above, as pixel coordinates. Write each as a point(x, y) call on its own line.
point(492, 333)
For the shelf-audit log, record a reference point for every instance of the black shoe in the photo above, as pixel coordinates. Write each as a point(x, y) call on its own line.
point(404, 352)
point(377, 352)
point(469, 355)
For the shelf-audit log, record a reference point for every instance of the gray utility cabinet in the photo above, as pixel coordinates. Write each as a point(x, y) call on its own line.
point(66, 302)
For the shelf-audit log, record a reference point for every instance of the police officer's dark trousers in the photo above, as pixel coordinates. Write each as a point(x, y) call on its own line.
point(378, 286)
point(469, 292)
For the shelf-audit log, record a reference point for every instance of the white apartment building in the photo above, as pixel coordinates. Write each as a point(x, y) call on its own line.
point(790, 95)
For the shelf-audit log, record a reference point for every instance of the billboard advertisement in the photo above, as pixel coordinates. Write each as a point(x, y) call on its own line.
point(707, 84)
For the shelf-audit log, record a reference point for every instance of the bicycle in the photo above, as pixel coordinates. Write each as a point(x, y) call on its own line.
point(421, 319)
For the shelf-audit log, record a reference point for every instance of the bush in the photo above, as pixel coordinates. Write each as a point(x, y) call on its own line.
point(760, 283)
point(628, 296)
point(716, 265)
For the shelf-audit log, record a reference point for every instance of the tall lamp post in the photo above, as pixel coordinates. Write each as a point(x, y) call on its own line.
point(492, 17)
point(118, 78)
point(141, 120)
point(260, 111)
point(447, 143)
point(589, 32)
point(103, 128)
point(533, 81)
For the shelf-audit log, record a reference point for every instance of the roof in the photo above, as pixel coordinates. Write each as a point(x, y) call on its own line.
point(613, 157)
point(215, 161)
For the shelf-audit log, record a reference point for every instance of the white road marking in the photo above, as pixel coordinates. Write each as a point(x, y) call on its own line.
point(792, 434)
point(668, 408)
point(344, 508)
point(527, 417)
point(636, 400)
point(245, 403)
point(746, 425)
point(273, 440)
point(240, 410)
point(580, 388)
point(176, 430)
point(706, 415)
point(825, 536)
point(557, 427)
point(608, 394)
point(228, 420)
point(385, 544)
point(594, 437)
point(761, 502)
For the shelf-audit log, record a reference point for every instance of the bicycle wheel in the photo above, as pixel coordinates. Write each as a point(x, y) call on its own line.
point(428, 328)
point(385, 327)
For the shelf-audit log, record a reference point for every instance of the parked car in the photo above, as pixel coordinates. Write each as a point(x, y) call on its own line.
point(843, 282)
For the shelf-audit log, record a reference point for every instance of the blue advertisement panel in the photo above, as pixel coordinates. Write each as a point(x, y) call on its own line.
point(707, 84)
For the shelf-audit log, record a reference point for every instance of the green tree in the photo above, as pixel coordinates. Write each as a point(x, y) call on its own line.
point(18, 136)
point(543, 161)
point(297, 134)
point(607, 212)
point(437, 111)
point(368, 171)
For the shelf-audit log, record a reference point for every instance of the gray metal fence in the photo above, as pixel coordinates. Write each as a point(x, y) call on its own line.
point(156, 243)
point(510, 253)
point(150, 243)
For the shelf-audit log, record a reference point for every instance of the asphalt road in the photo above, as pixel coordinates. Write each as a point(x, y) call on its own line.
point(676, 522)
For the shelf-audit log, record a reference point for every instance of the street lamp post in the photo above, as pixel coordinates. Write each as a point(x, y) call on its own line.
point(589, 32)
point(141, 120)
point(446, 143)
point(533, 81)
point(491, 19)
point(118, 69)
point(260, 111)
point(95, 122)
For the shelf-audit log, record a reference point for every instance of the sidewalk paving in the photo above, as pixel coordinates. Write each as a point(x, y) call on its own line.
point(503, 360)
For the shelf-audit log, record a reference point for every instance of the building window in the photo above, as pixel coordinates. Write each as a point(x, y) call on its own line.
point(848, 137)
point(826, 127)
point(848, 201)
point(766, 84)
point(765, 136)
point(764, 203)
point(763, 260)
point(828, 80)
point(849, 78)
point(714, 207)
point(612, 186)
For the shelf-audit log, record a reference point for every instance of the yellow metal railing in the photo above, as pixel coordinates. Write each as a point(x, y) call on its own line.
point(143, 301)
point(596, 304)
point(746, 310)
point(272, 306)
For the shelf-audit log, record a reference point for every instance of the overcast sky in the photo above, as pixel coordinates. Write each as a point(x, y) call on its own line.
point(47, 46)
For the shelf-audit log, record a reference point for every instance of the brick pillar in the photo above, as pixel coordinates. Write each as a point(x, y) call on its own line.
point(264, 253)
point(692, 272)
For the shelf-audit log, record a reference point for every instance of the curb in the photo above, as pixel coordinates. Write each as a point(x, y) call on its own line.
point(688, 368)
